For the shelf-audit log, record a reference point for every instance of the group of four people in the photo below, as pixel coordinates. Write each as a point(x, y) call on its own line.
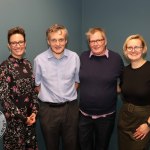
point(86, 124)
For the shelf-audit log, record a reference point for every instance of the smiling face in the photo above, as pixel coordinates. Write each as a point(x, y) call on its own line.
point(17, 45)
point(134, 49)
point(57, 41)
point(97, 43)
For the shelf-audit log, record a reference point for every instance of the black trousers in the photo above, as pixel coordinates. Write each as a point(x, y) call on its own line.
point(94, 134)
point(60, 122)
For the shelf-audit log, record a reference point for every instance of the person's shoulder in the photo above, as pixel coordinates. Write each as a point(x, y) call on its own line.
point(127, 68)
point(72, 53)
point(147, 63)
point(26, 61)
point(116, 58)
point(4, 65)
point(41, 55)
point(4, 62)
point(85, 53)
point(114, 53)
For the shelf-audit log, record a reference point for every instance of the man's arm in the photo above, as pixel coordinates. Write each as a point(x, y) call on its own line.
point(76, 85)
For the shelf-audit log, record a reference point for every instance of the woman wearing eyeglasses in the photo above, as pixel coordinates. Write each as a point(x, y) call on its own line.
point(19, 100)
point(134, 117)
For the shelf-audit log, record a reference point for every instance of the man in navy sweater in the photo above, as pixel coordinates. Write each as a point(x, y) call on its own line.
point(99, 74)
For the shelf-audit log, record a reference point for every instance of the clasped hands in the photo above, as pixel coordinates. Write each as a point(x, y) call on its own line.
point(31, 119)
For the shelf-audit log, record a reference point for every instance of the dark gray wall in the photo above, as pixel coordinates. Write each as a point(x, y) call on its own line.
point(119, 18)
point(35, 16)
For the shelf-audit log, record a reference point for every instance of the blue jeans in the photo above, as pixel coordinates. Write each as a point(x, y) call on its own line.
point(94, 134)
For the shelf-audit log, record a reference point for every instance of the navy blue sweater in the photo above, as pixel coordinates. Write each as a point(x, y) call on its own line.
point(98, 82)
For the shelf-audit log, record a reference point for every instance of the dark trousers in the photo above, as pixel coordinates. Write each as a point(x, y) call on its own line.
point(130, 118)
point(94, 134)
point(60, 121)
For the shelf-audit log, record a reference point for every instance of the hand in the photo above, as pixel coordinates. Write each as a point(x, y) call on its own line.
point(33, 116)
point(118, 89)
point(141, 131)
point(37, 89)
point(31, 119)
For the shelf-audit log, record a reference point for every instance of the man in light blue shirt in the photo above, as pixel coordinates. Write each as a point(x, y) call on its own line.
point(56, 76)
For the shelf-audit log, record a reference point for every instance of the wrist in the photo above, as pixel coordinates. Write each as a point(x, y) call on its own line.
point(148, 123)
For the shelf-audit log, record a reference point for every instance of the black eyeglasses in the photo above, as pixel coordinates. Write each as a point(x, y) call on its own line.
point(98, 41)
point(21, 43)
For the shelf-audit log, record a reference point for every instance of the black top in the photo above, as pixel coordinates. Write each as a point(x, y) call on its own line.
point(136, 84)
point(98, 82)
point(17, 88)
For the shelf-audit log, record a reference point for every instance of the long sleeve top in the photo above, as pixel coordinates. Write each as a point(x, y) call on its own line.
point(98, 82)
point(17, 93)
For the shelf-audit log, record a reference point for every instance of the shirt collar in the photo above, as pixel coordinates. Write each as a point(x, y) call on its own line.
point(51, 55)
point(105, 54)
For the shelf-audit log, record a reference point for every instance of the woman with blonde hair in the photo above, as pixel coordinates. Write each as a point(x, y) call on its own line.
point(134, 116)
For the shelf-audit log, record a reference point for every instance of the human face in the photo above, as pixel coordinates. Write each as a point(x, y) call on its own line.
point(97, 43)
point(134, 49)
point(17, 45)
point(57, 41)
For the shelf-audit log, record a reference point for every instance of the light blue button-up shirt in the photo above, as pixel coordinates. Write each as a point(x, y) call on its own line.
point(57, 77)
